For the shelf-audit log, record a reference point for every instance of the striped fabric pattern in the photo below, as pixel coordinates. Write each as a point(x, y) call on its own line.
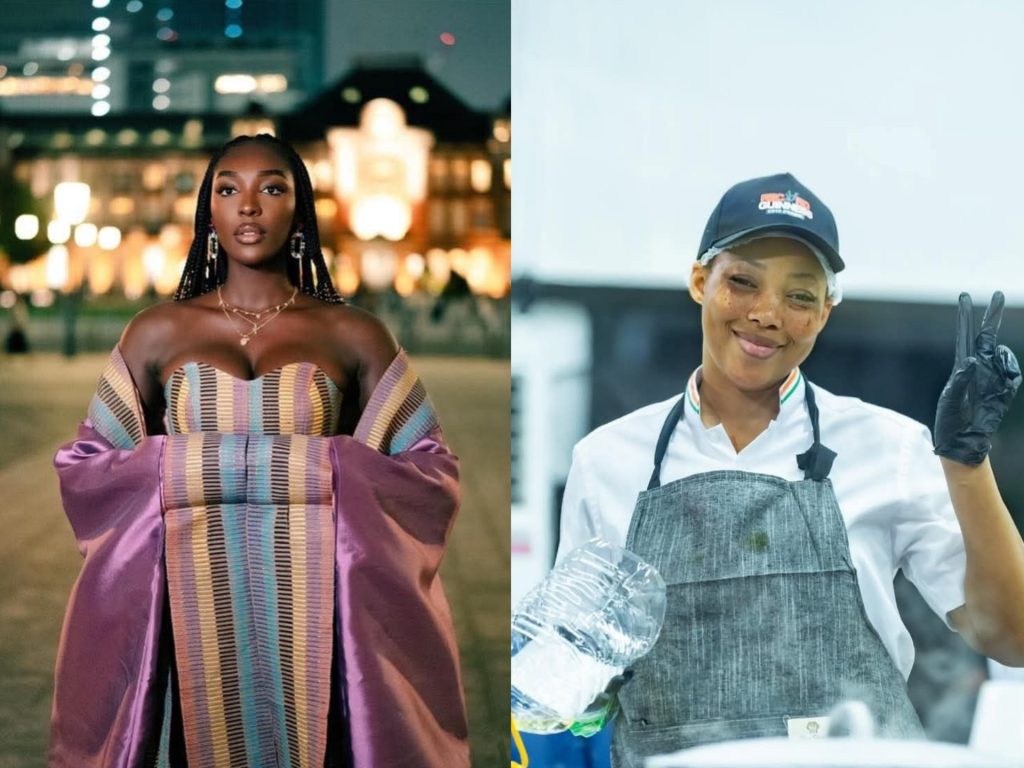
point(399, 412)
point(250, 563)
point(298, 397)
point(114, 410)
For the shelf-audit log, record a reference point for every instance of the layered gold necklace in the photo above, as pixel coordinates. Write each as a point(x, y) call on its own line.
point(255, 320)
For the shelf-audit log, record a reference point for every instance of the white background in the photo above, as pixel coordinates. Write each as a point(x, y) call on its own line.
point(906, 118)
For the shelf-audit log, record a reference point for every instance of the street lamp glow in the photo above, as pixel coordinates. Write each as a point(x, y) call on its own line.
point(58, 232)
point(20, 277)
point(100, 54)
point(100, 108)
point(57, 267)
point(100, 91)
point(26, 226)
point(101, 41)
point(85, 235)
point(153, 257)
point(100, 3)
point(109, 238)
point(415, 265)
point(100, 24)
point(71, 201)
point(100, 74)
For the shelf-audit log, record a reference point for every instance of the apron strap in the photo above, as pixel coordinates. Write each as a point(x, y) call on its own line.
point(816, 461)
point(666, 434)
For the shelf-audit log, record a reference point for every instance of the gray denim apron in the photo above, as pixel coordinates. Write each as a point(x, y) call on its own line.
point(764, 620)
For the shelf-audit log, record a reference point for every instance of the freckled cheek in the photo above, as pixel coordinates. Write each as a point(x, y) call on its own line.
point(728, 305)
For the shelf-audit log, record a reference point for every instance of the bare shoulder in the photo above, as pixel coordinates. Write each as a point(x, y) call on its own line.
point(157, 332)
point(361, 338)
point(143, 344)
point(147, 333)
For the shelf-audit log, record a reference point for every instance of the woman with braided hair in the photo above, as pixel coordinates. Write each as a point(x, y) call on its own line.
point(263, 496)
point(255, 281)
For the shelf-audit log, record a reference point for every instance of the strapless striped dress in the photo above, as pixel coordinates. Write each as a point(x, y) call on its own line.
point(250, 563)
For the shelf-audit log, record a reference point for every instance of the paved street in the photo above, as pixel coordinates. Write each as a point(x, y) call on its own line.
point(42, 397)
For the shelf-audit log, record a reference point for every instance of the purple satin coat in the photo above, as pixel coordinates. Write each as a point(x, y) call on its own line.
point(400, 673)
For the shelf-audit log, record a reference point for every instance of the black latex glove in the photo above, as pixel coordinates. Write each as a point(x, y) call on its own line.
point(984, 380)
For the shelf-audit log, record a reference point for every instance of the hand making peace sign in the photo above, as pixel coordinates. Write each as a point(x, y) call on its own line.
point(979, 391)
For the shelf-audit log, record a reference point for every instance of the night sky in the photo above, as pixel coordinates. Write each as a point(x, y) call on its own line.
point(477, 67)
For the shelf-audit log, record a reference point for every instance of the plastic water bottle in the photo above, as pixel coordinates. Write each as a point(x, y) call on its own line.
point(596, 613)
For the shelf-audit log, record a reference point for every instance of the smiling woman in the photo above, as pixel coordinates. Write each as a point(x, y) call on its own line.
point(764, 304)
point(263, 496)
point(778, 512)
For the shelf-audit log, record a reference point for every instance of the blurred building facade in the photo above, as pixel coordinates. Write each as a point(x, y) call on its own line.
point(413, 191)
point(188, 56)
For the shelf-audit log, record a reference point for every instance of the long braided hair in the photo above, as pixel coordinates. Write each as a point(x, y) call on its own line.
point(315, 278)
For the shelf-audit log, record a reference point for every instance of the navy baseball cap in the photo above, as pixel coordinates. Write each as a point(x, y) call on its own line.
point(778, 206)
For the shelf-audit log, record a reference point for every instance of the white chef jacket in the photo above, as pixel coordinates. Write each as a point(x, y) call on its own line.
point(890, 487)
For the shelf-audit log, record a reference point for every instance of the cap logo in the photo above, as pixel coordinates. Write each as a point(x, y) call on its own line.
point(788, 203)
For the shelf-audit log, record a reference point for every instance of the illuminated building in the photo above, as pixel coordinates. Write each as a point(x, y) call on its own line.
point(403, 210)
